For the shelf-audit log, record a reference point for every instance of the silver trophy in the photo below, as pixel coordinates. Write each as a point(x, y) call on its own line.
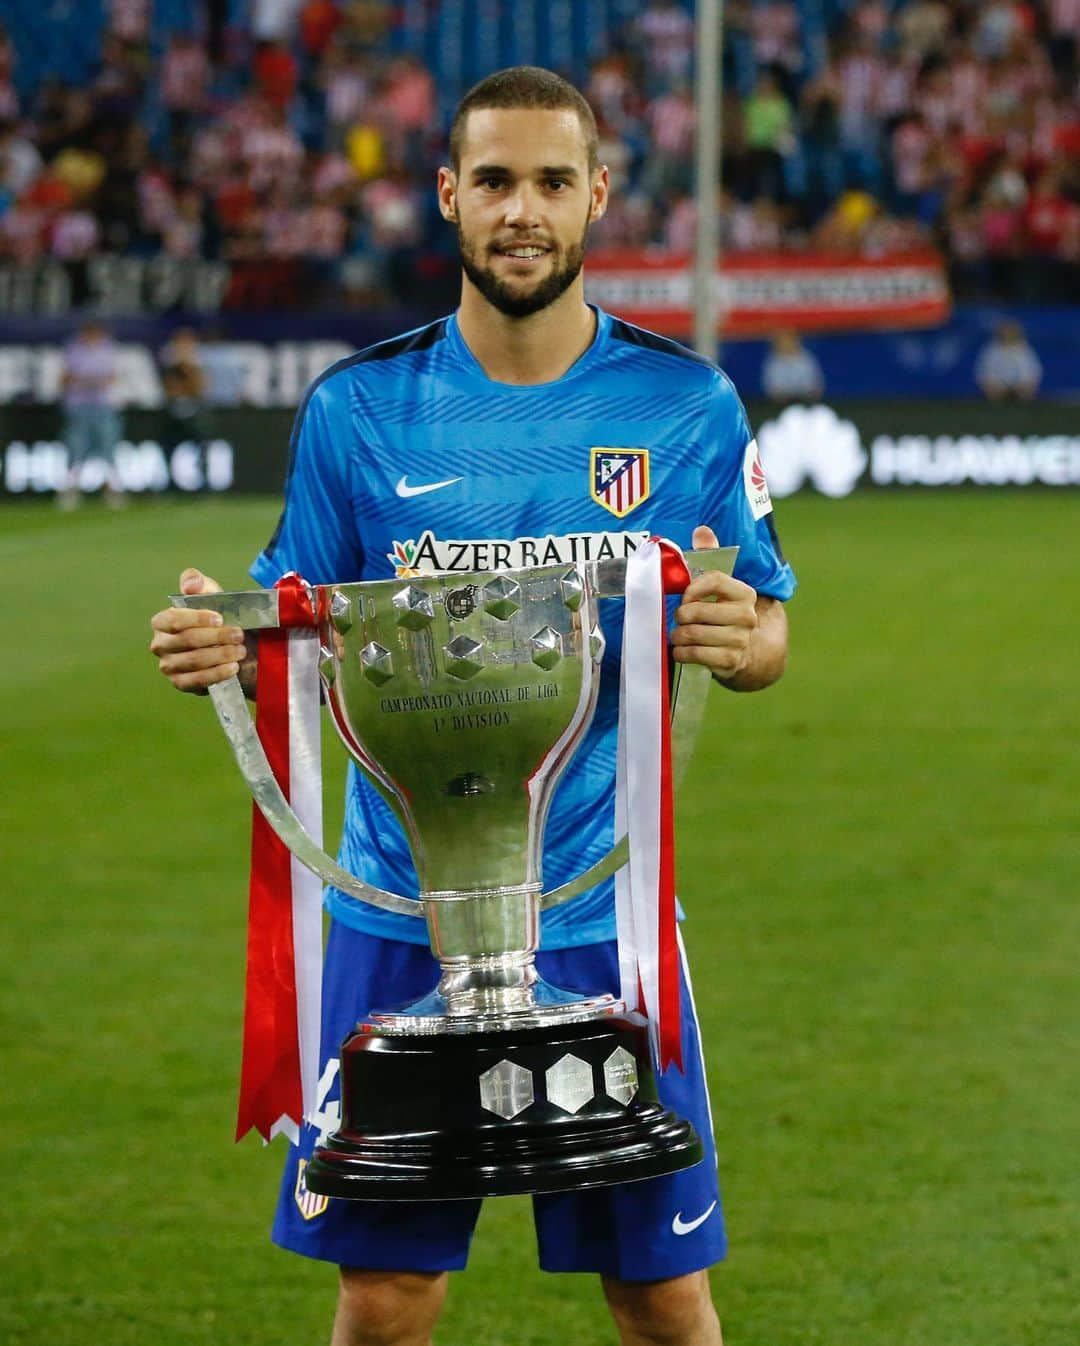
point(463, 697)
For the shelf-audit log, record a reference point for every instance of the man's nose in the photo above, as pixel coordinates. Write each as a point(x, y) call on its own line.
point(523, 206)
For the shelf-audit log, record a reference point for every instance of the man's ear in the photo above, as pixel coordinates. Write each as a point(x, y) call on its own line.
point(446, 190)
point(600, 187)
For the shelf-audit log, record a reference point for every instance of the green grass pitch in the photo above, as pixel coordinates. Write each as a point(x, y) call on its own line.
point(880, 861)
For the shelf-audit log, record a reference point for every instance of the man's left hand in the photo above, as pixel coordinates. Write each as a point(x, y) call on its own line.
point(716, 620)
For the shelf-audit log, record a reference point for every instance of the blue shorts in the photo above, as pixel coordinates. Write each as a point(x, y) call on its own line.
point(638, 1231)
point(91, 432)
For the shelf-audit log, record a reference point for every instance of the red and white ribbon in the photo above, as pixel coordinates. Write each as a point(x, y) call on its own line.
point(645, 886)
point(283, 995)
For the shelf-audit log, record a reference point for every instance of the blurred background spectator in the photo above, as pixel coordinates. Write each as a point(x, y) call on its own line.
point(790, 372)
point(92, 425)
point(1007, 366)
point(223, 369)
point(183, 381)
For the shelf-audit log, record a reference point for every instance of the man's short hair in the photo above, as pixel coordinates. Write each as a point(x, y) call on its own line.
point(524, 86)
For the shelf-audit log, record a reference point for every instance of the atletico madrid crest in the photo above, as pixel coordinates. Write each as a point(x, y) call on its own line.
point(309, 1203)
point(619, 479)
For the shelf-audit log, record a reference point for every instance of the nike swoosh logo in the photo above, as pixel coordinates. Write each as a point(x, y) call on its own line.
point(405, 490)
point(681, 1226)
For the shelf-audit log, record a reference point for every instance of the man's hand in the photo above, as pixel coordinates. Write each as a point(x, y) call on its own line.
point(194, 648)
point(731, 629)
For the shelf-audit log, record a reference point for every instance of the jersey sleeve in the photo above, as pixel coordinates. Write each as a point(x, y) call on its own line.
point(737, 505)
point(316, 535)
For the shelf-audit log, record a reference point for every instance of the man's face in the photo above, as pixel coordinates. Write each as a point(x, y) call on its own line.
point(523, 201)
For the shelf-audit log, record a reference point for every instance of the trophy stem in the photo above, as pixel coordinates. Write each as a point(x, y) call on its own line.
point(500, 984)
point(486, 940)
point(483, 923)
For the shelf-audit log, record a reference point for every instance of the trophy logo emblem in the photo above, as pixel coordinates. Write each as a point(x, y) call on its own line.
point(460, 603)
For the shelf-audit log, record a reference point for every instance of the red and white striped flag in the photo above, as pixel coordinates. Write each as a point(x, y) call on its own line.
point(283, 996)
point(645, 886)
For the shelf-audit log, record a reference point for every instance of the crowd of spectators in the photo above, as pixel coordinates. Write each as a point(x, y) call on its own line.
point(865, 128)
point(853, 126)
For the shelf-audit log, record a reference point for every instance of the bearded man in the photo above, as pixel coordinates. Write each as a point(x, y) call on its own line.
point(472, 443)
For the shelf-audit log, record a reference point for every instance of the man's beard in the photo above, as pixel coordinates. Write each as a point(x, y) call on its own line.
point(516, 303)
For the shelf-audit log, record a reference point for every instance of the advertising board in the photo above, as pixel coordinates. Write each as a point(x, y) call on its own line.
point(833, 449)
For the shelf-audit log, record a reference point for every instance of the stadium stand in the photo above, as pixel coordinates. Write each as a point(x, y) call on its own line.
point(298, 137)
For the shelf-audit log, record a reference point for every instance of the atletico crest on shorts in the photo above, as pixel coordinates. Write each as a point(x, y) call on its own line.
point(619, 479)
point(310, 1203)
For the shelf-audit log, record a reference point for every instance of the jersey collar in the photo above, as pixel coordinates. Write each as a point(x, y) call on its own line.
point(584, 362)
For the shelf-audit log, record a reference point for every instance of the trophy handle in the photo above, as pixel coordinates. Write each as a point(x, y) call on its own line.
point(232, 710)
point(689, 691)
point(690, 687)
point(255, 610)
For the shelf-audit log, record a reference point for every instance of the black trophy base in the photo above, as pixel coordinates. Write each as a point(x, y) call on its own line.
point(437, 1117)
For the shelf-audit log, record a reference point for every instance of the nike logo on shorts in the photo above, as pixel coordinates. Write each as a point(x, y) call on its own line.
point(405, 490)
point(681, 1226)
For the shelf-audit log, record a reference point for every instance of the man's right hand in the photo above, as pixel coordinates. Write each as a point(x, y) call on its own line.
point(194, 648)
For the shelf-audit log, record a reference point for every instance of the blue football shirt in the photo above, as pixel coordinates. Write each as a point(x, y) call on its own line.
point(407, 456)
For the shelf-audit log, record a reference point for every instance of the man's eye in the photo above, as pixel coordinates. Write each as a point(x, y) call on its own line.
point(556, 184)
point(493, 184)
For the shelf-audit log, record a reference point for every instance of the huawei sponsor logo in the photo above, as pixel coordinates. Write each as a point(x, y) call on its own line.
point(975, 460)
point(757, 488)
point(815, 445)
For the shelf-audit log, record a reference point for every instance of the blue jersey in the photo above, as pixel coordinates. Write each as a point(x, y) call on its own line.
point(407, 457)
